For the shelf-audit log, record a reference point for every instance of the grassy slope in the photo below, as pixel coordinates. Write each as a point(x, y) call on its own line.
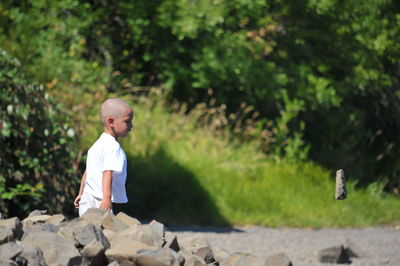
point(182, 174)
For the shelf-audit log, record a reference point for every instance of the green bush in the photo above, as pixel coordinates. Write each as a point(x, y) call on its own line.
point(37, 161)
point(324, 72)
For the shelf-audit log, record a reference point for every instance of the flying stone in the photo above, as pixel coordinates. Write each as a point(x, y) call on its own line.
point(341, 192)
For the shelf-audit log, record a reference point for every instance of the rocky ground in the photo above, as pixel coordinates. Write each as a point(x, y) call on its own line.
point(375, 246)
point(100, 238)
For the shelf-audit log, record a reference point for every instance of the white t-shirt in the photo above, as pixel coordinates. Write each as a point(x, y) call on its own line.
point(106, 154)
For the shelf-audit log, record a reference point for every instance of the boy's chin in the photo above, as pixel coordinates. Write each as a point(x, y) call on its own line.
point(123, 135)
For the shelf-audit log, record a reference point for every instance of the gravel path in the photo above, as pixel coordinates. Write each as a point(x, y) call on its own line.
point(379, 245)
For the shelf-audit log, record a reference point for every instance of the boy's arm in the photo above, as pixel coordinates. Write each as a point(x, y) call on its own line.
point(107, 186)
point(78, 198)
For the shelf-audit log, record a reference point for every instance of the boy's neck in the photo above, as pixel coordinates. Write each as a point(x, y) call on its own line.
point(110, 132)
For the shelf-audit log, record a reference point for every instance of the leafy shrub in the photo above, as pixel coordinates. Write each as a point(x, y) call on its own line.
point(37, 167)
point(326, 74)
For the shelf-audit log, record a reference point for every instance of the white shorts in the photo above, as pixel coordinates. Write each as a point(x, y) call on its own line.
point(88, 201)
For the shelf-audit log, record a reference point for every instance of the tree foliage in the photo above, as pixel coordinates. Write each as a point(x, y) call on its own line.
point(36, 157)
point(323, 74)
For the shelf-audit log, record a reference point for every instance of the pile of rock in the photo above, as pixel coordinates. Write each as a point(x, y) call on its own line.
point(101, 238)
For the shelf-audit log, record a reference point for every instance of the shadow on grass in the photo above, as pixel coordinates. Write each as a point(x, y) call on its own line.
point(160, 188)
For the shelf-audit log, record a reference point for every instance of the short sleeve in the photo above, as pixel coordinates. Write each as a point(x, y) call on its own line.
point(113, 160)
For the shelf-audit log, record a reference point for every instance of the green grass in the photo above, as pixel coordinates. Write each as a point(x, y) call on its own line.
point(180, 173)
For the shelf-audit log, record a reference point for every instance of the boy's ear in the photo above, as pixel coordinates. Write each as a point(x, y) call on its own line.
point(110, 120)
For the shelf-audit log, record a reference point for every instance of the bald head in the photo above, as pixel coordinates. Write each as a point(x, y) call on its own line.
point(114, 108)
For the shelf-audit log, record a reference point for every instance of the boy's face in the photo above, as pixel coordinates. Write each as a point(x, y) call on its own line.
point(123, 124)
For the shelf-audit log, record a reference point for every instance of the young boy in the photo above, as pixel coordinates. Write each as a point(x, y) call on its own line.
point(103, 182)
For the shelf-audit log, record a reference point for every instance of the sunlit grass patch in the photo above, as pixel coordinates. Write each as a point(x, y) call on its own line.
point(181, 172)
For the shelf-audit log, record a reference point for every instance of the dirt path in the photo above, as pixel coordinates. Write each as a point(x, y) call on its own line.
point(379, 245)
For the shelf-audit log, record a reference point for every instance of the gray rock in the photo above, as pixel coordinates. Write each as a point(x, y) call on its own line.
point(220, 253)
point(114, 263)
point(9, 263)
point(93, 249)
point(157, 228)
point(159, 257)
point(57, 219)
point(36, 219)
point(200, 247)
point(46, 227)
point(145, 260)
point(194, 261)
point(150, 235)
point(111, 222)
point(206, 254)
point(9, 251)
point(171, 241)
point(39, 227)
point(68, 233)
point(141, 233)
point(193, 243)
point(124, 252)
point(94, 253)
point(190, 258)
point(14, 224)
point(77, 223)
point(89, 233)
point(93, 216)
point(341, 192)
point(278, 260)
point(109, 234)
point(57, 250)
point(231, 260)
point(336, 254)
point(33, 256)
point(21, 261)
point(6, 235)
point(126, 219)
point(37, 213)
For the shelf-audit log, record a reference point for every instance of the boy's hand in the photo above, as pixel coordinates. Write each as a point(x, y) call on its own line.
point(106, 204)
point(76, 201)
